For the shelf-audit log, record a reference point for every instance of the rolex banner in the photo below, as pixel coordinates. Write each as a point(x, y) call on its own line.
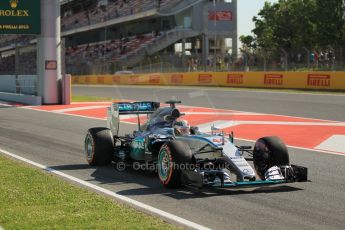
point(20, 17)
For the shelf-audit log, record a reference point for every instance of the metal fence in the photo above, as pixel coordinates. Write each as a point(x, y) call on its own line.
point(18, 69)
point(19, 84)
point(300, 59)
point(329, 59)
point(22, 60)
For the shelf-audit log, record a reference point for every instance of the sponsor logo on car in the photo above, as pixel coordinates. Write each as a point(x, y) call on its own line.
point(217, 140)
point(138, 145)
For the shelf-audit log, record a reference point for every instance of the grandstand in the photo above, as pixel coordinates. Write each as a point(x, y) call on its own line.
point(103, 36)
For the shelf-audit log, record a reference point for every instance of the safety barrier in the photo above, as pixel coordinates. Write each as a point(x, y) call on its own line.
point(24, 84)
point(24, 89)
point(283, 80)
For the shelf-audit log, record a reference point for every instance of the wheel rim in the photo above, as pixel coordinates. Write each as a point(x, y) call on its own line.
point(164, 165)
point(89, 147)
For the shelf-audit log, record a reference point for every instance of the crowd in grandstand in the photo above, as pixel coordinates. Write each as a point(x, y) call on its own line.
point(116, 49)
point(7, 65)
point(108, 50)
point(96, 13)
point(100, 12)
point(113, 50)
point(13, 39)
point(97, 52)
point(26, 65)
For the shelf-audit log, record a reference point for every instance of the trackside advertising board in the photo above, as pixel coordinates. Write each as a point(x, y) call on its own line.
point(277, 80)
point(20, 17)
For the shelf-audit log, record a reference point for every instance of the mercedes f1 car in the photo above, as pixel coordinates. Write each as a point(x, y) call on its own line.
point(193, 158)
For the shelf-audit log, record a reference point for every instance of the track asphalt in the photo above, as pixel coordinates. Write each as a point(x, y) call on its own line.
point(55, 140)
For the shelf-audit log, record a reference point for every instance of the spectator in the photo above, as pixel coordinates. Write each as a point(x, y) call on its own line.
point(316, 59)
point(311, 57)
point(299, 57)
point(226, 61)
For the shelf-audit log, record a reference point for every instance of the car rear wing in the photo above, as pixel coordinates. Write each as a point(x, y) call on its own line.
point(142, 107)
point(128, 108)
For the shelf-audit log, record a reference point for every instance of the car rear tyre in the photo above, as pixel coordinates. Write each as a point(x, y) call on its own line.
point(268, 152)
point(99, 146)
point(173, 157)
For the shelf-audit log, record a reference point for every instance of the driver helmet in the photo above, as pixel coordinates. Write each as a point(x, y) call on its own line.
point(183, 127)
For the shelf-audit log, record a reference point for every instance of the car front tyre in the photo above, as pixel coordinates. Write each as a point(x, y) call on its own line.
point(173, 157)
point(269, 152)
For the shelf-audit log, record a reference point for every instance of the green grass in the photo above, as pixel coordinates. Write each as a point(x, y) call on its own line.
point(32, 199)
point(81, 98)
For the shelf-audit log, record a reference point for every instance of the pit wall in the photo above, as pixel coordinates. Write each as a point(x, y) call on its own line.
point(284, 80)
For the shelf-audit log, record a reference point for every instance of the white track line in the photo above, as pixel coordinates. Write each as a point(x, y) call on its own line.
point(125, 199)
point(1, 228)
point(91, 102)
point(68, 114)
point(132, 123)
point(80, 108)
point(301, 148)
point(225, 110)
point(270, 114)
point(5, 105)
point(268, 91)
point(222, 114)
point(233, 123)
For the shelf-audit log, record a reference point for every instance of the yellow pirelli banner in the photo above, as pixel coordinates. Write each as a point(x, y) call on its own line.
point(284, 80)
